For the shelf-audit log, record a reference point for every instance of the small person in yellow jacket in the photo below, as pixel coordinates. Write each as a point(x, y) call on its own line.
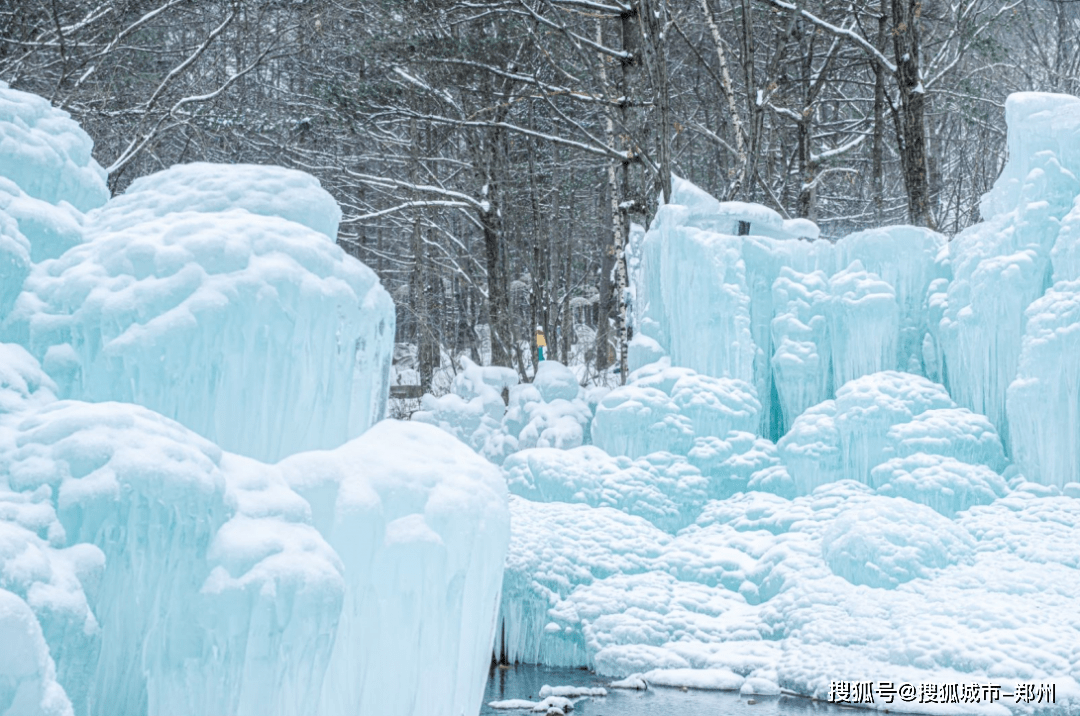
point(541, 343)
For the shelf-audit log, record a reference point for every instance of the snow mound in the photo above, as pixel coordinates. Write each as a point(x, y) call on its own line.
point(663, 488)
point(942, 483)
point(848, 436)
point(731, 464)
point(50, 229)
point(888, 541)
point(950, 432)
point(491, 412)
point(664, 409)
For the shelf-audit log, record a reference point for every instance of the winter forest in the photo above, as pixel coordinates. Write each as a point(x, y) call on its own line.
point(490, 157)
point(482, 357)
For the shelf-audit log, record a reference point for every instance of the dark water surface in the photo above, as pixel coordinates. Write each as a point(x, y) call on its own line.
point(524, 682)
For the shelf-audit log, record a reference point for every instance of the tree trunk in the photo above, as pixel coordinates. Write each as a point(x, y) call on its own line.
point(418, 282)
point(906, 17)
point(877, 171)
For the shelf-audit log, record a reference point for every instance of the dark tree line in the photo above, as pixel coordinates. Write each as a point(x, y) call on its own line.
point(490, 156)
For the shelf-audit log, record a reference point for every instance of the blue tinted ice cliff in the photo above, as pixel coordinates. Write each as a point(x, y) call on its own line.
point(201, 513)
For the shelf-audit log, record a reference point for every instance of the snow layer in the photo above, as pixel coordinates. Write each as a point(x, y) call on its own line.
point(796, 593)
point(230, 322)
point(213, 188)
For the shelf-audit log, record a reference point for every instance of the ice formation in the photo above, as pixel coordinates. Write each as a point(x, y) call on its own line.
point(661, 487)
point(853, 460)
point(147, 570)
point(421, 525)
point(665, 408)
point(47, 179)
point(46, 154)
point(489, 410)
point(247, 588)
point(794, 317)
point(915, 519)
point(218, 309)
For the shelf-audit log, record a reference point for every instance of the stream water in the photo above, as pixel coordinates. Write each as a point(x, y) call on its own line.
point(524, 682)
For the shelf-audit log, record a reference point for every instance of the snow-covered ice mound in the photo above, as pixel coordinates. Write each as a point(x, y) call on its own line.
point(494, 414)
point(213, 188)
point(46, 153)
point(421, 524)
point(255, 331)
point(192, 558)
point(797, 593)
point(663, 488)
point(664, 409)
point(880, 416)
point(47, 179)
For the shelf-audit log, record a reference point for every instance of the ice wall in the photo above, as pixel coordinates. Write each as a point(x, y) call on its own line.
point(999, 267)
point(742, 306)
